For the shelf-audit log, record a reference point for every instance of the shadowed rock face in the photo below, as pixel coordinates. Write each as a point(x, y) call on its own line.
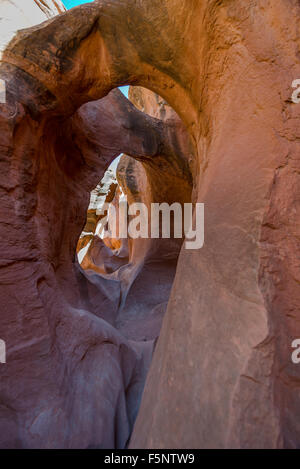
point(221, 375)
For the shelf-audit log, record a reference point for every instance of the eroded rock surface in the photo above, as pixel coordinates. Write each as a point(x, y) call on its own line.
point(222, 374)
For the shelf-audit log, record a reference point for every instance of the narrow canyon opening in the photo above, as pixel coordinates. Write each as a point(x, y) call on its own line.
point(142, 270)
point(148, 265)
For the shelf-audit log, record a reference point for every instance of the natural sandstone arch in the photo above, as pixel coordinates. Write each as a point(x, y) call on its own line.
point(226, 68)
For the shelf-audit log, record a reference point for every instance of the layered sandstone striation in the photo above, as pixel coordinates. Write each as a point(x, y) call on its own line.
point(222, 374)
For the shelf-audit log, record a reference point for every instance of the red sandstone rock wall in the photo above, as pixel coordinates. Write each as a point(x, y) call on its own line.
point(221, 374)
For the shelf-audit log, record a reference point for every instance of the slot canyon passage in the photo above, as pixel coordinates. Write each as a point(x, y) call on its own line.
point(80, 339)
